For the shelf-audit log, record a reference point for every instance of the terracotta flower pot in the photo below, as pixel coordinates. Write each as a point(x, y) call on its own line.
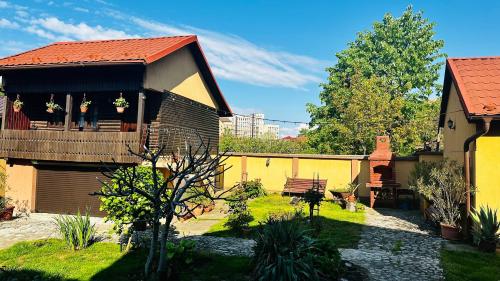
point(7, 213)
point(351, 198)
point(209, 208)
point(450, 232)
point(50, 110)
point(198, 211)
point(83, 109)
point(16, 108)
point(120, 109)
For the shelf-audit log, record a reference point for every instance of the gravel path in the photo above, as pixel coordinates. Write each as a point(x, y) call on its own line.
point(396, 245)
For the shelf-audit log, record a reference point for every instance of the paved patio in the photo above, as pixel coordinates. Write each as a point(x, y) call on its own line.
point(397, 245)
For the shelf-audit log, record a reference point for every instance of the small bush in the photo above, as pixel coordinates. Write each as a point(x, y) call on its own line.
point(286, 251)
point(254, 189)
point(179, 256)
point(77, 230)
point(486, 228)
point(133, 208)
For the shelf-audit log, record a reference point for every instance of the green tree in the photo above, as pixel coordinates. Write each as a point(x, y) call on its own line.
point(399, 58)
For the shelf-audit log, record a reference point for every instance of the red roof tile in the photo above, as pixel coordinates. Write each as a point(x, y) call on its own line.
point(478, 84)
point(145, 50)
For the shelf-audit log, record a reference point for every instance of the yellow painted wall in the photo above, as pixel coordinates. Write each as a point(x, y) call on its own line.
point(487, 171)
point(454, 138)
point(178, 73)
point(273, 177)
point(21, 182)
point(336, 171)
point(233, 175)
point(2, 169)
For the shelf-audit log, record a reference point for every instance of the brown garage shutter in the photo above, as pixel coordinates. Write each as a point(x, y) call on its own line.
point(65, 190)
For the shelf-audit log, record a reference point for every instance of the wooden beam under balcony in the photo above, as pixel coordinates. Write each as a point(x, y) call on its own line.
point(90, 147)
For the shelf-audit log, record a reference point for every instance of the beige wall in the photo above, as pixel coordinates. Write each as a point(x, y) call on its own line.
point(454, 139)
point(178, 73)
point(487, 171)
point(21, 185)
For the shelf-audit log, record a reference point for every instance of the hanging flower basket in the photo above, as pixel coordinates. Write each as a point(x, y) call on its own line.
point(52, 106)
point(121, 103)
point(84, 106)
point(17, 105)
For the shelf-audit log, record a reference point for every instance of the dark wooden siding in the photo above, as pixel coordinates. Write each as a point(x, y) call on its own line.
point(74, 79)
point(65, 190)
point(183, 122)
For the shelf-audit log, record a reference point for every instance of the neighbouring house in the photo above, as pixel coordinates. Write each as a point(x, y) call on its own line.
point(53, 159)
point(470, 122)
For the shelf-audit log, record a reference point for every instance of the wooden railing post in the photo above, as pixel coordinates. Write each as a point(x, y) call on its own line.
point(4, 112)
point(140, 111)
point(69, 106)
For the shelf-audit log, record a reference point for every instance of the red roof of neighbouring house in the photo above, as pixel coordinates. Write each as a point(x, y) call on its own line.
point(119, 51)
point(143, 50)
point(477, 81)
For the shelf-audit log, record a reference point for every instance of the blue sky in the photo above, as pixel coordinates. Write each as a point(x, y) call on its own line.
point(268, 56)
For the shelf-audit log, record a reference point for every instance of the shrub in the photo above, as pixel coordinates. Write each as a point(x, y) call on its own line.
point(179, 256)
point(77, 230)
point(313, 198)
point(133, 208)
point(239, 215)
point(486, 227)
point(443, 184)
point(285, 251)
point(254, 189)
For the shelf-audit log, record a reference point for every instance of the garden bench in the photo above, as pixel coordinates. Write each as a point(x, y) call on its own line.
point(298, 186)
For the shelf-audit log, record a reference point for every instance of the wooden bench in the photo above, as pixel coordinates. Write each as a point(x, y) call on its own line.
point(297, 186)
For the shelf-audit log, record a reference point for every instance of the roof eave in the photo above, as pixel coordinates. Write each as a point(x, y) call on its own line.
point(80, 64)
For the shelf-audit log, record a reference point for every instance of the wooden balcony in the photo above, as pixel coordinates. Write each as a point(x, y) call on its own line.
point(68, 145)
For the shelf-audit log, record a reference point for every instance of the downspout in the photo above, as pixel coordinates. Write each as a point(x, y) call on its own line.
point(468, 141)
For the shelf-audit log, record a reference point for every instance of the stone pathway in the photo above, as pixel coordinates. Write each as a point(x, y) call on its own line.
point(40, 226)
point(396, 245)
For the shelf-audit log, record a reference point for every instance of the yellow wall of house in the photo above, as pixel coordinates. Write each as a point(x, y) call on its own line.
point(487, 172)
point(232, 176)
point(2, 169)
point(21, 183)
point(454, 139)
point(179, 74)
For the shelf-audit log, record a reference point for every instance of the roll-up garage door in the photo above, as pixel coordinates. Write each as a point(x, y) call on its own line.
point(65, 190)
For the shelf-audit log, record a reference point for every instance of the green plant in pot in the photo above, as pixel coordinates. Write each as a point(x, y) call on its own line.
point(17, 105)
point(84, 106)
point(443, 184)
point(52, 106)
point(486, 228)
point(121, 104)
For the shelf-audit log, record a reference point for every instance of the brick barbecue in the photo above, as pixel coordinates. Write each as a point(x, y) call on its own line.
point(383, 183)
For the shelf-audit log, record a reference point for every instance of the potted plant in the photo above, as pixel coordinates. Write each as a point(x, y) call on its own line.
point(121, 103)
point(6, 210)
point(342, 192)
point(486, 229)
point(443, 184)
point(52, 106)
point(17, 104)
point(84, 106)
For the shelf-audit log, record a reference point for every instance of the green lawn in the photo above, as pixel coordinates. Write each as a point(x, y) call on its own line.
point(466, 266)
point(51, 260)
point(340, 226)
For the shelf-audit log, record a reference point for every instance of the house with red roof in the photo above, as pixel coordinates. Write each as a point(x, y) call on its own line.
point(470, 123)
point(72, 105)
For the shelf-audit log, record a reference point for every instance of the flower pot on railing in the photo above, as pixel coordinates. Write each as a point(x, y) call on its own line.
point(450, 232)
point(7, 213)
point(16, 108)
point(83, 109)
point(120, 109)
point(17, 104)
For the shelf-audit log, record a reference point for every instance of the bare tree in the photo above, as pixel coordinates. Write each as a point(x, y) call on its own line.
point(190, 176)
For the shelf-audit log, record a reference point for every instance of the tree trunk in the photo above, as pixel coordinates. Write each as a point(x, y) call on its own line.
point(152, 248)
point(163, 264)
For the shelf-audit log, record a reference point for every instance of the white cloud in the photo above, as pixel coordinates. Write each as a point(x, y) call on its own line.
point(244, 110)
point(286, 130)
point(4, 4)
point(53, 27)
point(80, 9)
point(22, 13)
point(10, 47)
point(5, 23)
point(237, 59)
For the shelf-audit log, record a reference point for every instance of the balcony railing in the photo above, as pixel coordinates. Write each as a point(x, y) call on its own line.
point(69, 146)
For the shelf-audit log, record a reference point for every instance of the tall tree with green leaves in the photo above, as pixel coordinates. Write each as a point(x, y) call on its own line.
point(400, 60)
